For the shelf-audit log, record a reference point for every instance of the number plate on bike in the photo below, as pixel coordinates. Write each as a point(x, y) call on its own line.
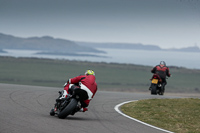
point(154, 81)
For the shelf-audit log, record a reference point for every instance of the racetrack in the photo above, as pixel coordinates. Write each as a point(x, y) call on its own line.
point(25, 109)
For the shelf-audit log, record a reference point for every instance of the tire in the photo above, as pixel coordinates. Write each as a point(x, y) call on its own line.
point(153, 89)
point(68, 109)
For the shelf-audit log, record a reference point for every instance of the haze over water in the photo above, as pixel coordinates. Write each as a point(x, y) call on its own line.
point(138, 57)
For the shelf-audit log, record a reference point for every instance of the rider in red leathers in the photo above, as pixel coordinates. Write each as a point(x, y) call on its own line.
point(162, 70)
point(86, 82)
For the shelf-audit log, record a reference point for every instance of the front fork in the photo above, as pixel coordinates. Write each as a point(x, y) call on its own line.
point(61, 103)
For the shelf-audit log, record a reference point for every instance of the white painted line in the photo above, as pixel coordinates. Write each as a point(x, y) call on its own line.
point(118, 110)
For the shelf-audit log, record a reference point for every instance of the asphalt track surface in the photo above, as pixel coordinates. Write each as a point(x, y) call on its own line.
point(25, 109)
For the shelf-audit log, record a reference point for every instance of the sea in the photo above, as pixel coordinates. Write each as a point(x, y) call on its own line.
point(189, 60)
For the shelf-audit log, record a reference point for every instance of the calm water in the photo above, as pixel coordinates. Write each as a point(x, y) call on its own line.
point(141, 57)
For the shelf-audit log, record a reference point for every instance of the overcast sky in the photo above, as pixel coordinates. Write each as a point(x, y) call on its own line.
point(166, 23)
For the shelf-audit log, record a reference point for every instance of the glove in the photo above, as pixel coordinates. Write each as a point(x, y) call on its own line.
point(83, 109)
point(65, 84)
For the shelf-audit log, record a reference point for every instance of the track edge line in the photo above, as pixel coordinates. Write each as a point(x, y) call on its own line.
point(118, 110)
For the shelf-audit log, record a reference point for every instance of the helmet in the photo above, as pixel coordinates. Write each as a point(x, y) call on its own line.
point(89, 72)
point(162, 63)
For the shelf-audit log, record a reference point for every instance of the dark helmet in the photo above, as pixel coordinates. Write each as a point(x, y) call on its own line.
point(162, 63)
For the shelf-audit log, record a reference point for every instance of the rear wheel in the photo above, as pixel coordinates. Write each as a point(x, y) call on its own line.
point(68, 109)
point(153, 89)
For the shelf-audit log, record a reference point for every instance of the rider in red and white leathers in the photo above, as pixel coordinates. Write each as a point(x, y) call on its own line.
point(86, 82)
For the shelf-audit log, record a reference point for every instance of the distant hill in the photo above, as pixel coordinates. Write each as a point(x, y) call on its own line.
point(50, 45)
point(45, 43)
point(135, 46)
point(1, 51)
point(188, 49)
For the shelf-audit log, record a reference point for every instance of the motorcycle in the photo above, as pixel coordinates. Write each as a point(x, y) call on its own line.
point(156, 86)
point(69, 105)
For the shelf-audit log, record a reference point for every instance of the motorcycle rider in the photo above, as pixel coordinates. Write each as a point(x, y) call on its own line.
point(86, 82)
point(162, 70)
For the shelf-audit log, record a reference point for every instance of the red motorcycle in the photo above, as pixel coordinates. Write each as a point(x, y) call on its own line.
point(156, 85)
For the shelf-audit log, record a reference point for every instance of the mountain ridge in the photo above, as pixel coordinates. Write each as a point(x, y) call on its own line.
point(50, 45)
point(137, 46)
point(45, 43)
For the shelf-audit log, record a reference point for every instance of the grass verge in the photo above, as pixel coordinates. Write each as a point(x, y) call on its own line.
point(109, 76)
point(176, 115)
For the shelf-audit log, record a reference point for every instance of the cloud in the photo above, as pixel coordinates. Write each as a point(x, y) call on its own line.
point(164, 23)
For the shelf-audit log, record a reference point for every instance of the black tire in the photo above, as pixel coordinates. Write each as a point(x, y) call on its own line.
point(153, 89)
point(68, 109)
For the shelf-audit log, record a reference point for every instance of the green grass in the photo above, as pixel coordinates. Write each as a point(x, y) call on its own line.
point(177, 115)
point(109, 76)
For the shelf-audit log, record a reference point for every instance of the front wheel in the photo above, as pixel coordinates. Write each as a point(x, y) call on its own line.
point(68, 109)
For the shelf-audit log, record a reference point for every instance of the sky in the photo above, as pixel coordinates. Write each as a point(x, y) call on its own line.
point(165, 23)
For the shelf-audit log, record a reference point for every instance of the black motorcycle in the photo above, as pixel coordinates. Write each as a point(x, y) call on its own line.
point(156, 87)
point(71, 104)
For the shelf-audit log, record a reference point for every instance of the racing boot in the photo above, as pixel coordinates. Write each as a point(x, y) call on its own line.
point(52, 113)
point(83, 109)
